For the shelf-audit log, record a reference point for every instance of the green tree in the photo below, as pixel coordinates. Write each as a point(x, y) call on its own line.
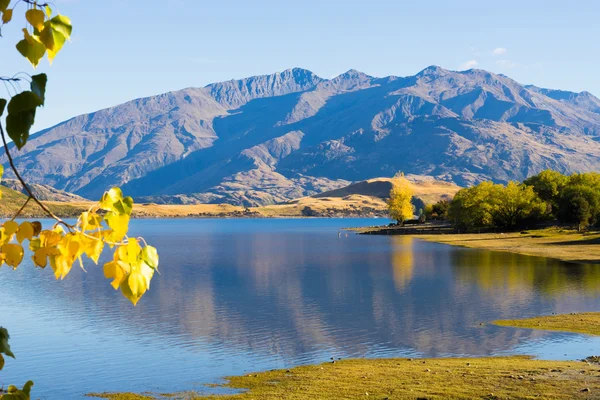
point(438, 210)
point(399, 203)
point(580, 205)
point(471, 207)
point(548, 185)
point(490, 205)
point(515, 204)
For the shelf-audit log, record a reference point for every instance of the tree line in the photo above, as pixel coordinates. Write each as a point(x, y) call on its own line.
point(548, 196)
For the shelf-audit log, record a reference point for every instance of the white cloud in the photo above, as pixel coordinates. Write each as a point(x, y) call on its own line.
point(498, 51)
point(468, 64)
point(506, 64)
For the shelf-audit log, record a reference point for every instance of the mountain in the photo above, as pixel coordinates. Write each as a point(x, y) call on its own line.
point(271, 138)
point(43, 192)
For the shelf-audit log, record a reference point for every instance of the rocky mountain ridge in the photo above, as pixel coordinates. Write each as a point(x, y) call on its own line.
point(272, 138)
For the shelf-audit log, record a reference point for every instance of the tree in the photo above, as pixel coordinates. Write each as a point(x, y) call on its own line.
point(548, 185)
point(437, 211)
point(471, 209)
point(515, 204)
point(399, 203)
point(580, 205)
point(490, 205)
point(104, 224)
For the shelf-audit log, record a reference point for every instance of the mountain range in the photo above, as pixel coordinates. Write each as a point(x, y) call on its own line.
point(271, 138)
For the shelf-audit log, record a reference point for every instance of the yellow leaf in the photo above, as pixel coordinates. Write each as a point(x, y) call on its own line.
point(25, 232)
point(13, 254)
point(133, 251)
point(7, 16)
point(90, 221)
point(147, 272)
point(134, 287)
point(110, 198)
point(11, 227)
point(93, 248)
point(40, 257)
point(4, 238)
point(112, 270)
point(35, 18)
point(61, 265)
point(119, 223)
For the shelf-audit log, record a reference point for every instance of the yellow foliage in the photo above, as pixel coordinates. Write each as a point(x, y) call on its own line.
point(132, 267)
point(399, 203)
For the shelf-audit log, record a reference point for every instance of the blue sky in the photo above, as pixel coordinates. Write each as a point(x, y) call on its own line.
point(125, 49)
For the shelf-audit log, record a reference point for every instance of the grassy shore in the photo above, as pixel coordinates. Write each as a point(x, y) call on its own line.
point(561, 244)
point(446, 378)
point(587, 323)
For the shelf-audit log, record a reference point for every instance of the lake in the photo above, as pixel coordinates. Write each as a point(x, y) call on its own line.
point(241, 295)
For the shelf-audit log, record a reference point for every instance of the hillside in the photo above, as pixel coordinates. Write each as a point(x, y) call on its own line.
point(269, 139)
point(42, 192)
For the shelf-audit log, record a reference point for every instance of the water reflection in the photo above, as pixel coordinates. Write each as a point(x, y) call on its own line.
point(246, 295)
point(514, 274)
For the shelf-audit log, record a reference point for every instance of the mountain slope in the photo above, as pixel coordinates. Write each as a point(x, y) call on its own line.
point(271, 138)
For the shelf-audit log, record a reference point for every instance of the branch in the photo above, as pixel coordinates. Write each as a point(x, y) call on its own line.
point(21, 209)
point(31, 195)
point(35, 3)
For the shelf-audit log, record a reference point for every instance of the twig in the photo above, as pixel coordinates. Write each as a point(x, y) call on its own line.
point(21, 209)
point(12, 165)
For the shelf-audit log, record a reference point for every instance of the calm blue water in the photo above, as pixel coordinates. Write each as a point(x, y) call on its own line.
point(247, 295)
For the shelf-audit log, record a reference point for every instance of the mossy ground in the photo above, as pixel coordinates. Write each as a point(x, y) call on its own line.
point(562, 244)
point(446, 378)
point(587, 323)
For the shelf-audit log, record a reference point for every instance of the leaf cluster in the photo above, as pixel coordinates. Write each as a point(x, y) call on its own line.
point(44, 34)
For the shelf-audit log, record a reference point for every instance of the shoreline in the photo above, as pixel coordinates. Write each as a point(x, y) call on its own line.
point(557, 243)
point(408, 378)
point(560, 244)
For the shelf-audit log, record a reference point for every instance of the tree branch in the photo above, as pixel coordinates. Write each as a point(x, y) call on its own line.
point(31, 195)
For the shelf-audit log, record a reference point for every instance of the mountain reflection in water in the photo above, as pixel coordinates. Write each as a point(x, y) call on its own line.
point(239, 295)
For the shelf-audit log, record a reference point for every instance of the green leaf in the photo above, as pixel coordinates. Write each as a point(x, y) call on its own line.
point(52, 39)
point(15, 394)
point(4, 4)
point(18, 126)
point(32, 50)
point(24, 101)
point(150, 256)
point(2, 106)
point(4, 346)
point(21, 114)
point(38, 87)
point(35, 17)
point(63, 25)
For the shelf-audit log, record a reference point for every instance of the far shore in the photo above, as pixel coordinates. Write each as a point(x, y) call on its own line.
point(555, 242)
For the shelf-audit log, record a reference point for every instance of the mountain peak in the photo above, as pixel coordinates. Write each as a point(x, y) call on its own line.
point(236, 93)
point(432, 70)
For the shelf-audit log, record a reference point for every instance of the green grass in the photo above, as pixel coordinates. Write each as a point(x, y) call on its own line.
point(446, 378)
point(587, 323)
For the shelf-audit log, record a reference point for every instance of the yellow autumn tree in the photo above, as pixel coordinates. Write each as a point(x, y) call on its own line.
point(399, 203)
point(64, 244)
